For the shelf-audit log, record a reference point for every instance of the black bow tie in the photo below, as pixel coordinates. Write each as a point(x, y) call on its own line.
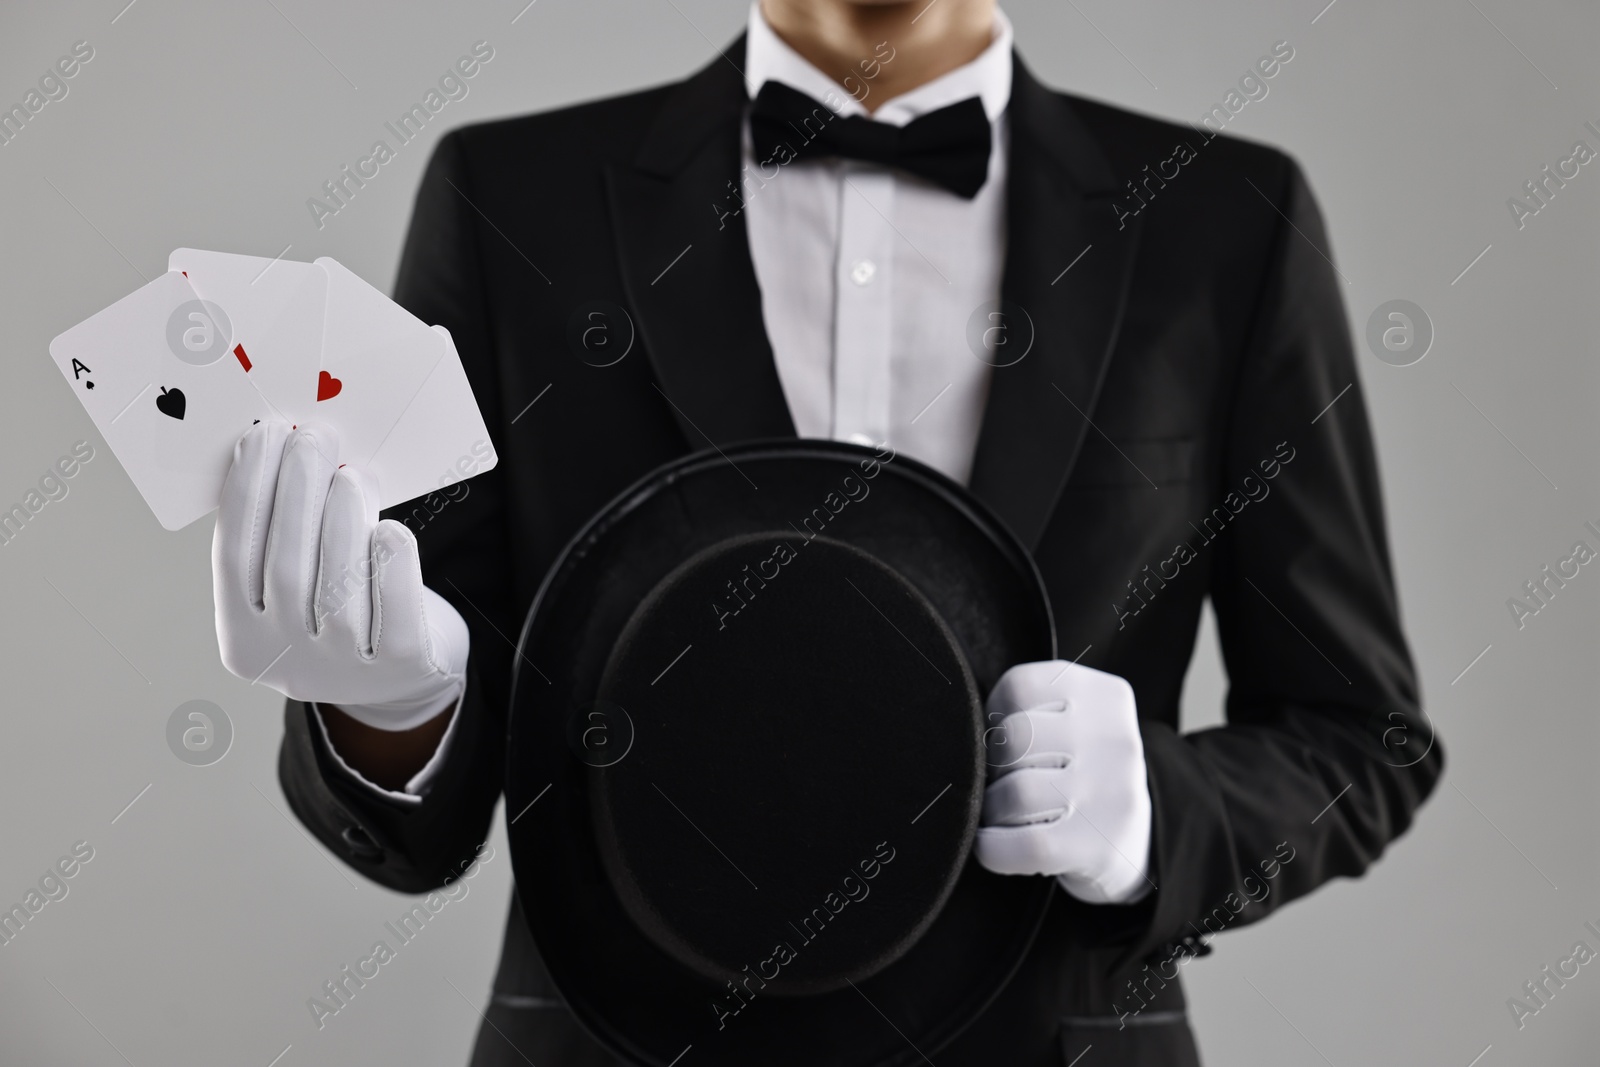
point(949, 147)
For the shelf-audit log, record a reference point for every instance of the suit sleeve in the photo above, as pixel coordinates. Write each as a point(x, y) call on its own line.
point(1326, 753)
point(414, 847)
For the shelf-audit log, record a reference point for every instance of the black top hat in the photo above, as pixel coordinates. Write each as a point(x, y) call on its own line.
point(755, 704)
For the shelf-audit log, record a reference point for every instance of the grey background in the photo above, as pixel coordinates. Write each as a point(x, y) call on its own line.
point(206, 918)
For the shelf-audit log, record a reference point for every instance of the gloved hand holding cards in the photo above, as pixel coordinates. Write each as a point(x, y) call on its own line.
point(174, 373)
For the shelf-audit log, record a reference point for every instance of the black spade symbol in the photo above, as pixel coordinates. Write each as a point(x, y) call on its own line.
point(171, 402)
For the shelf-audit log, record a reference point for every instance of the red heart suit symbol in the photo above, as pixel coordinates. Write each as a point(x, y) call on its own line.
point(327, 386)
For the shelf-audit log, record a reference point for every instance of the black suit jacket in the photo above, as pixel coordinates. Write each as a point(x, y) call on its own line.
point(1169, 437)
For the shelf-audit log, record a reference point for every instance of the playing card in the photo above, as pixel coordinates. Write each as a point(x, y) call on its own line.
point(273, 312)
point(437, 441)
point(395, 390)
point(156, 375)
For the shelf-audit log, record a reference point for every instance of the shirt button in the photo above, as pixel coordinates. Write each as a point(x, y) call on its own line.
point(863, 271)
point(861, 439)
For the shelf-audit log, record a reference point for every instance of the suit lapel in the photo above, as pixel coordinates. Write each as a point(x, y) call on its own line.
point(686, 265)
point(1059, 191)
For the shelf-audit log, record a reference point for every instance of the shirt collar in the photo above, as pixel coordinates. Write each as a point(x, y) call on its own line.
point(988, 77)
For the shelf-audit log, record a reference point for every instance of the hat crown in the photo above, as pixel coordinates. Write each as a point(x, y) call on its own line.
point(806, 771)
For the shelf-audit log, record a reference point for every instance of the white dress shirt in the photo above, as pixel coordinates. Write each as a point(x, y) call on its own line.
point(869, 275)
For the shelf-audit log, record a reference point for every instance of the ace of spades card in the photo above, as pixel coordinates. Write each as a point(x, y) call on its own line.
point(158, 377)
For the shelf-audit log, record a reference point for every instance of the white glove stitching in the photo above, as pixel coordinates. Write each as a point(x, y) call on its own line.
point(257, 537)
point(380, 569)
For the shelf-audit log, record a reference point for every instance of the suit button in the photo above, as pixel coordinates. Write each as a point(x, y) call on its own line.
point(361, 844)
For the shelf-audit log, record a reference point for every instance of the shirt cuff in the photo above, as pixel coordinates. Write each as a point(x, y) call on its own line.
point(417, 787)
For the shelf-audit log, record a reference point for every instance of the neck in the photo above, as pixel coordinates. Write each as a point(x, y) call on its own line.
point(878, 51)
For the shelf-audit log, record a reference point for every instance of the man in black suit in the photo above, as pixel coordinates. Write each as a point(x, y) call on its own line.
point(1145, 370)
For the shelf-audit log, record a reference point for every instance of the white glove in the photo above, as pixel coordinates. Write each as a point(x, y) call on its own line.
point(318, 599)
point(1067, 794)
